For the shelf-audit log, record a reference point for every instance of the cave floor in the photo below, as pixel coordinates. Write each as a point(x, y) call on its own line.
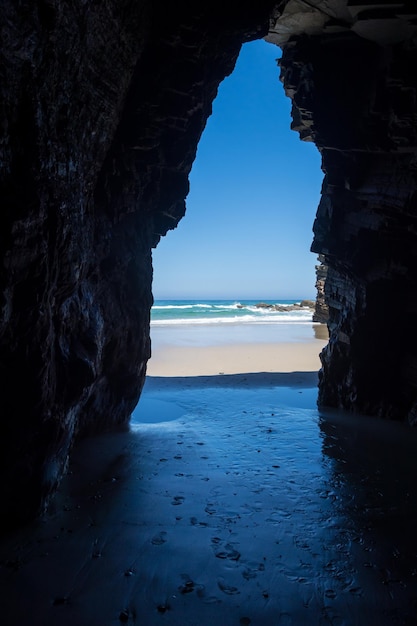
point(231, 500)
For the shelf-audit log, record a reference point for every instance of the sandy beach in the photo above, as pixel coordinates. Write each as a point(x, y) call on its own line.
point(235, 359)
point(236, 349)
point(230, 500)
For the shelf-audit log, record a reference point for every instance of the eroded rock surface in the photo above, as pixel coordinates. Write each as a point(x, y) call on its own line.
point(355, 97)
point(321, 308)
point(102, 106)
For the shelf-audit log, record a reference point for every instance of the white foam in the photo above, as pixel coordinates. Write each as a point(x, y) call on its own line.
point(181, 306)
point(233, 307)
point(241, 319)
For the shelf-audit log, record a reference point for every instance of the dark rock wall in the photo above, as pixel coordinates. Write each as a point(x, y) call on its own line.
point(321, 309)
point(65, 354)
point(357, 100)
point(102, 106)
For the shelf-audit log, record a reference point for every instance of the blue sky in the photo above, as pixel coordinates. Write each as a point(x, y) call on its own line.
point(254, 191)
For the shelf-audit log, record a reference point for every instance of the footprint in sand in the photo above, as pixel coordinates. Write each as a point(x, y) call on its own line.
point(188, 586)
point(252, 570)
point(159, 539)
point(177, 500)
point(226, 588)
point(194, 522)
point(225, 552)
point(248, 574)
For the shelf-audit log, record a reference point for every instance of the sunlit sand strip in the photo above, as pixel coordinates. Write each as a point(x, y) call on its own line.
point(235, 359)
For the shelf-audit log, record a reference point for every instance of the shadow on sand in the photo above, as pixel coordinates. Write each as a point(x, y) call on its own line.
point(250, 507)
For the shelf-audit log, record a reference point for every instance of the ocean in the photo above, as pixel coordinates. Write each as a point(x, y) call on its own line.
point(205, 323)
point(220, 312)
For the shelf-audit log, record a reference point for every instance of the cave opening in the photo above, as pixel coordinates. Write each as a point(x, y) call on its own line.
point(246, 236)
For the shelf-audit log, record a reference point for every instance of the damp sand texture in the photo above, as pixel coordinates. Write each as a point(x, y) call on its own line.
point(241, 505)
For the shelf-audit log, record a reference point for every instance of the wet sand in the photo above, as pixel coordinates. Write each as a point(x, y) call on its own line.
point(230, 500)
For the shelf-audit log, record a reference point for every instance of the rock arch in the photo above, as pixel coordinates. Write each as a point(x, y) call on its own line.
point(102, 107)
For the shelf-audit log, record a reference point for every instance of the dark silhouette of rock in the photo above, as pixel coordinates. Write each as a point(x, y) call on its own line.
point(304, 304)
point(363, 120)
point(321, 308)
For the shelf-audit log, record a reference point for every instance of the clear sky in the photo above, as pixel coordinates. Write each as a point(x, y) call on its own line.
point(255, 187)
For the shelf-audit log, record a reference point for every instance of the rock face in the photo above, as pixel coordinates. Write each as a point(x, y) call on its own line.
point(102, 106)
point(283, 308)
point(321, 308)
point(355, 97)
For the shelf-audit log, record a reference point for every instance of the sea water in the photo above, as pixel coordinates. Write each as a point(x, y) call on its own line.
point(219, 322)
point(176, 312)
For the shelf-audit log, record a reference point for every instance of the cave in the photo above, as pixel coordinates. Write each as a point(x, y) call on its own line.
point(102, 108)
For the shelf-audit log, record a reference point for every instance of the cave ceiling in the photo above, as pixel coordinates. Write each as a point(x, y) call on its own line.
point(381, 22)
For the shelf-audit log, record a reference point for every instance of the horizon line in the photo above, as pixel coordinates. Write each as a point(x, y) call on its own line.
point(259, 299)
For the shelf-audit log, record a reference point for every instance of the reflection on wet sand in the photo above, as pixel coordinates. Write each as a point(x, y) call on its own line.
point(242, 505)
point(321, 331)
point(373, 467)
